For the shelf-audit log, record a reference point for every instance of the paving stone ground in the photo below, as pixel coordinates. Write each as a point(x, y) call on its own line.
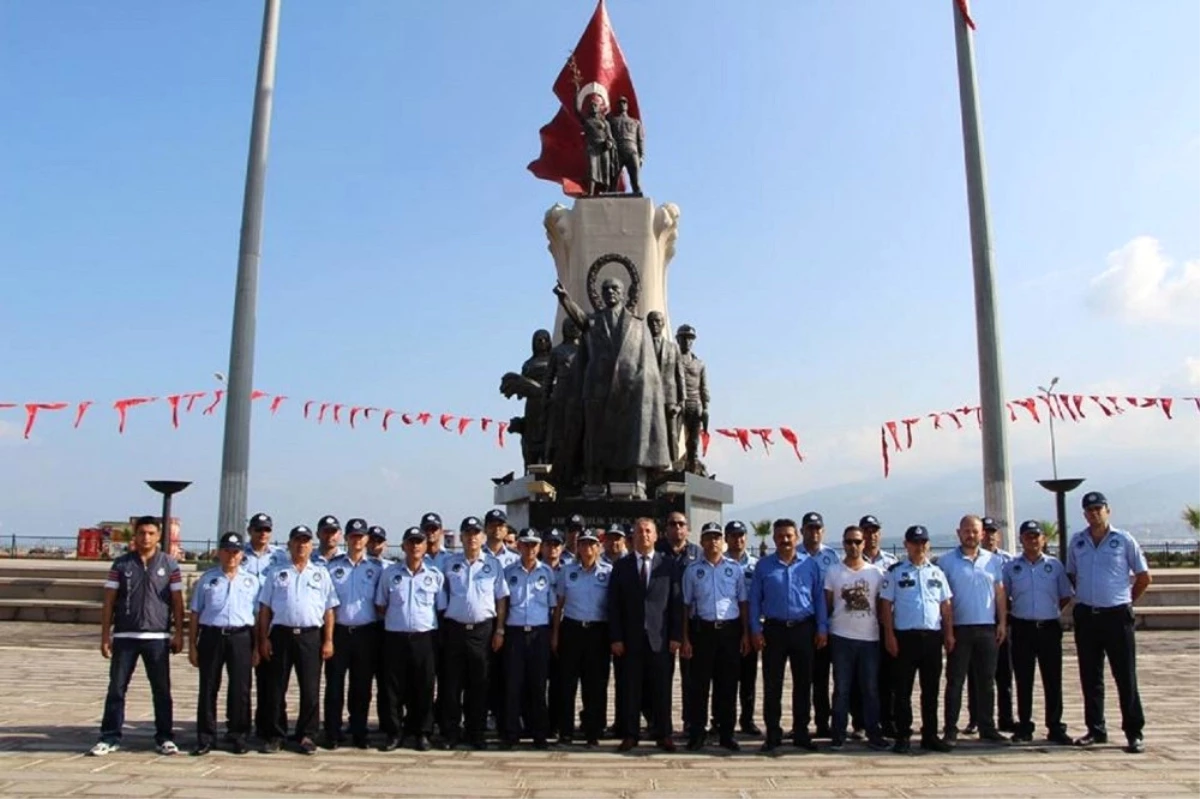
point(52, 680)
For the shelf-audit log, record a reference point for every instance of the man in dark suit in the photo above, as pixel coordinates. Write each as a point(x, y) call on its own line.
point(645, 620)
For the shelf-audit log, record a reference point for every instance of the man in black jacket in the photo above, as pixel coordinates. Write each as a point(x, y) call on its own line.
point(645, 626)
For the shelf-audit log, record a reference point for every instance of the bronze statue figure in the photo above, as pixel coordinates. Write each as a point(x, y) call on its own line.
point(666, 353)
point(695, 398)
point(601, 151)
point(630, 145)
point(529, 386)
point(564, 414)
point(625, 427)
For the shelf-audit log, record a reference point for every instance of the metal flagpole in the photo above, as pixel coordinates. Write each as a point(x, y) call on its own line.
point(997, 480)
point(235, 456)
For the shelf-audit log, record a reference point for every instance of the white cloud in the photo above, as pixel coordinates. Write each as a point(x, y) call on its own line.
point(1141, 284)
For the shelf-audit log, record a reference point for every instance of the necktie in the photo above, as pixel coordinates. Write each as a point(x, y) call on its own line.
point(645, 572)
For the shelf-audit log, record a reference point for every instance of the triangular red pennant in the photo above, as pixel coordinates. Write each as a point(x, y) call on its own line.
point(1050, 409)
point(276, 402)
point(211, 409)
point(404, 417)
point(463, 423)
point(31, 412)
point(321, 411)
point(191, 399)
point(337, 413)
point(937, 420)
point(1116, 405)
point(1195, 400)
point(500, 428)
point(424, 416)
point(764, 433)
point(483, 423)
point(965, 10)
point(908, 428)
point(1065, 402)
point(1165, 403)
point(887, 464)
point(892, 431)
point(257, 395)
point(173, 401)
point(743, 437)
point(1012, 415)
point(367, 412)
point(1103, 407)
point(353, 415)
point(80, 410)
point(705, 439)
point(445, 420)
point(122, 407)
point(1077, 401)
point(388, 414)
point(307, 405)
point(790, 437)
point(1030, 404)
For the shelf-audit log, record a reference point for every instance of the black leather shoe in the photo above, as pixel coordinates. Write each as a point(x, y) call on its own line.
point(935, 745)
point(1135, 746)
point(877, 744)
point(951, 737)
point(592, 743)
point(1091, 739)
point(541, 744)
point(822, 732)
point(391, 744)
point(730, 744)
point(272, 746)
point(201, 750)
point(360, 742)
point(665, 744)
point(770, 745)
point(422, 744)
point(970, 729)
point(239, 747)
point(627, 745)
point(750, 728)
point(1007, 726)
point(902, 746)
point(479, 744)
point(1060, 738)
point(307, 747)
point(1021, 738)
point(804, 742)
point(506, 745)
point(331, 741)
point(992, 736)
point(695, 743)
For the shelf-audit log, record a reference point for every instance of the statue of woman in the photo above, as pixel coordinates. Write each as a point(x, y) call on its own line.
point(529, 385)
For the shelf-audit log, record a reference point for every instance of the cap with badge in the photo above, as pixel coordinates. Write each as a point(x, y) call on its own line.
point(869, 523)
point(261, 521)
point(735, 528)
point(300, 531)
point(356, 527)
point(710, 528)
point(1093, 499)
point(1031, 527)
point(431, 521)
point(812, 519)
point(375, 531)
point(529, 535)
point(328, 523)
point(555, 536)
point(615, 529)
point(471, 524)
point(587, 534)
point(414, 534)
point(495, 516)
point(575, 523)
point(917, 534)
point(989, 524)
point(232, 541)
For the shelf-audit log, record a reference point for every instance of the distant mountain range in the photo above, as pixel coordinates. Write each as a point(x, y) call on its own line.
point(1148, 506)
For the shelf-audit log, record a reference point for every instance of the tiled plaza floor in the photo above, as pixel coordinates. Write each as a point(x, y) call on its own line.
point(54, 680)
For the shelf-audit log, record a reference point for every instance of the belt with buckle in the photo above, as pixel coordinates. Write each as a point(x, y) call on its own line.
point(583, 624)
point(1095, 611)
point(351, 628)
point(1036, 623)
point(227, 630)
point(789, 622)
point(303, 630)
point(717, 625)
point(528, 628)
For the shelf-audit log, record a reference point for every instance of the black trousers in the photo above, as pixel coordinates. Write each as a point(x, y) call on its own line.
point(786, 645)
point(715, 663)
point(1038, 642)
point(410, 662)
point(526, 668)
point(747, 682)
point(554, 692)
point(975, 653)
point(646, 673)
point(382, 701)
point(1003, 689)
point(468, 651)
point(263, 724)
point(299, 649)
point(583, 659)
point(1100, 633)
point(920, 653)
point(822, 709)
point(354, 651)
point(221, 650)
point(497, 699)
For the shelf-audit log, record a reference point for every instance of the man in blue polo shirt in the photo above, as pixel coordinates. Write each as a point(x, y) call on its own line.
point(1100, 561)
point(142, 618)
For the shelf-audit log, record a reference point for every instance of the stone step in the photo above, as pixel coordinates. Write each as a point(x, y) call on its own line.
point(35, 588)
point(1168, 618)
point(1175, 576)
point(54, 610)
point(1170, 594)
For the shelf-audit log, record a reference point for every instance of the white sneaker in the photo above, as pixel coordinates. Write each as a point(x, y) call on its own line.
point(167, 748)
point(103, 748)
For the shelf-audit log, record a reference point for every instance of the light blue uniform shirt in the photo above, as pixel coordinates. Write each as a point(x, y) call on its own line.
point(714, 593)
point(604, 558)
point(435, 559)
point(972, 584)
point(258, 565)
point(506, 556)
point(1036, 588)
point(531, 594)
point(584, 592)
point(747, 562)
point(411, 601)
point(226, 602)
point(566, 559)
point(472, 588)
point(916, 594)
point(883, 560)
point(1102, 570)
point(825, 557)
point(298, 599)
point(321, 560)
point(788, 592)
point(355, 585)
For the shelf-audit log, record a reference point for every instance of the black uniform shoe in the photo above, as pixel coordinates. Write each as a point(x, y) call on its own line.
point(238, 747)
point(822, 732)
point(479, 744)
point(272, 746)
point(592, 743)
point(201, 750)
point(857, 735)
point(307, 747)
point(935, 745)
point(804, 742)
point(695, 743)
point(1021, 738)
point(877, 744)
point(391, 744)
point(730, 744)
point(836, 744)
point(1091, 739)
point(331, 741)
point(970, 729)
point(360, 742)
point(750, 728)
point(992, 736)
point(951, 737)
point(770, 745)
point(902, 746)
point(506, 745)
point(541, 744)
point(1135, 746)
point(1007, 726)
point(422, 744)
point(1061, 738)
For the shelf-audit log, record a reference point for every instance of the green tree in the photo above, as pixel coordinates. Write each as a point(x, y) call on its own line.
point(762, 529)
point(1049, 529)
point(1191, 515)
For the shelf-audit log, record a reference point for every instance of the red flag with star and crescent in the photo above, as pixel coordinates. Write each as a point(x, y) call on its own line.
point(596, 68)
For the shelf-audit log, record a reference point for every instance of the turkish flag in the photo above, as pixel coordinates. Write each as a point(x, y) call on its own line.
point(597, 67)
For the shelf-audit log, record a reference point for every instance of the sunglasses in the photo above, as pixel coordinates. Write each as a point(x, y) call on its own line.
point(853, 542)
point(676, 523)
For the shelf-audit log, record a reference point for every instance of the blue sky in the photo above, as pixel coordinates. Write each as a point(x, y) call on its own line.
point(813, 148)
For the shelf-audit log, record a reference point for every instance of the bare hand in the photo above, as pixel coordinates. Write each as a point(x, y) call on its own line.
point(685, 651)
point(948, 642)
point(559, 291)
point(618, 649)
point(497, 642)
point(674, 647)
point(759, 641)
point(264, 650)
point(194, 657)
point(821, 640)
point(746, 647)
point(105, 648)
point(326, 650)
point(255, 659)
point(177, 644)
point(554, 643)
point(892, 645)
point(1001, 633)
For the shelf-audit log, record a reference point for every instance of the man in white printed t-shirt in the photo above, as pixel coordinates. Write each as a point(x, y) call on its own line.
point(851, 588)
